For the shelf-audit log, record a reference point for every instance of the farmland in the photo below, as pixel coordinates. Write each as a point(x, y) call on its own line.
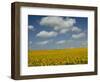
point(66, 56)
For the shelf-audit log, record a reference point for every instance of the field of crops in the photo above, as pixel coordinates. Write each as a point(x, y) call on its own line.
point(57, 57)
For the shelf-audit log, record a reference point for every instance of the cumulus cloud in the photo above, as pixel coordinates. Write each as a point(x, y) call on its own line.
point(30, 27)
point(61, 42)
point(63, 31)
point(45, 34)
point(76, 29)
point(80, 35)
point(58, 23)
point(43, 42)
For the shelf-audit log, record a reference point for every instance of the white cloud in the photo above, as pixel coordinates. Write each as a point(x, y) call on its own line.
point(43, 42)
point(84, 44)
point(80, 35)
point(76, 29)
point(63, 31)
point(30, 27)
point(58, 23)
point(61, 42)
point(45, 34)
point(30, 42)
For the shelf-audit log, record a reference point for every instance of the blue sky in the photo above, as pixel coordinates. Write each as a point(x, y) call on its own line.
point(56, 32)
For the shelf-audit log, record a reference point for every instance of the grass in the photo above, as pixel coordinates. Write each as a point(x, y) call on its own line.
point(57, 57)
